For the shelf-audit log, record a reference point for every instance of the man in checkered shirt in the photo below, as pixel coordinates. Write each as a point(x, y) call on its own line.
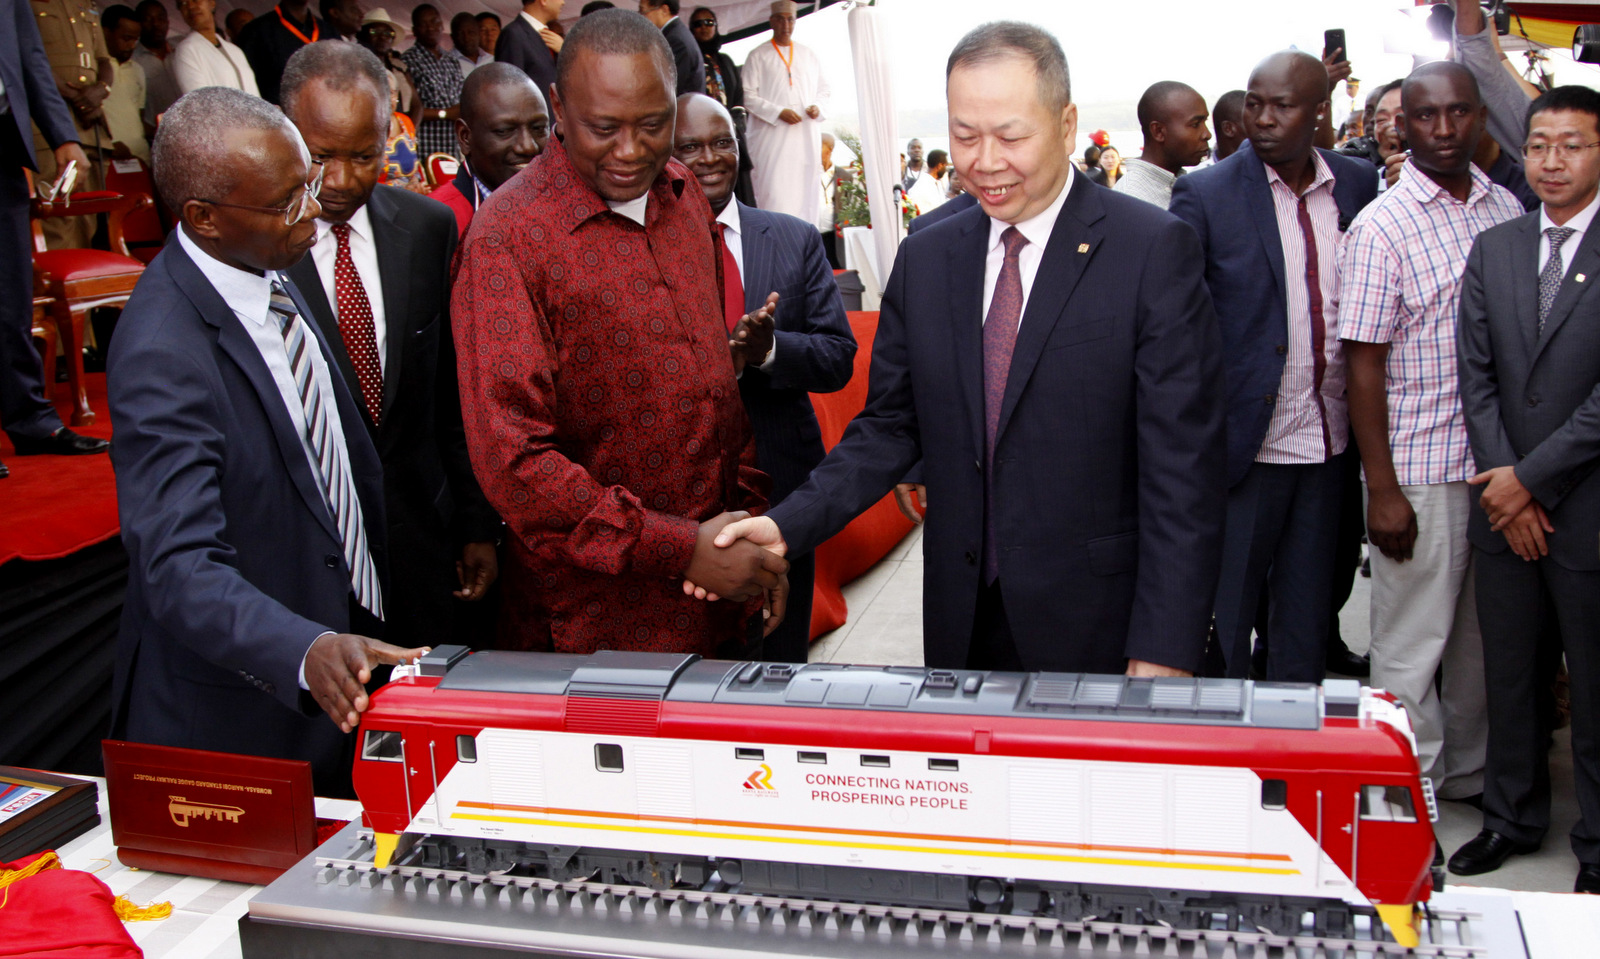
point(1400, 276)
point(438, 78)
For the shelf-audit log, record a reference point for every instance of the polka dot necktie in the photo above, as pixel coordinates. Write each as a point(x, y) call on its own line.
point(356, 324)
point(1550, 276)
point(999, 342)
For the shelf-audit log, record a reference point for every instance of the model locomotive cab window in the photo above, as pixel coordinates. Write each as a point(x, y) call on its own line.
point(820, 759)
point(608, 757)
point(382, 744)
point(1387, 804)
point(755, 755)
point(868, 759)
point(466, 749)
point(1274, 794)
point(945, 765)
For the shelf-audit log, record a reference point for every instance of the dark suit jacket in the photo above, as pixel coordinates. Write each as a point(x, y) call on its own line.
point(1532, 399)
point(432, 499)
point(814, 348)
point(268, 44)
point(1108, 472)
point(234, 562)
point(965, 201)
point(686, 54)
point(1229, 204)
point(30, 84)
point(521, 46)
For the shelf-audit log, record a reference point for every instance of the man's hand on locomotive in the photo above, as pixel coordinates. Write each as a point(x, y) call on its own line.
point(731, 567)
point(338, 667)
point(751, 340)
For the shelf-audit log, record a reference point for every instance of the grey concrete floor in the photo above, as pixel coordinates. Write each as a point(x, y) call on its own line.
point(885, 628)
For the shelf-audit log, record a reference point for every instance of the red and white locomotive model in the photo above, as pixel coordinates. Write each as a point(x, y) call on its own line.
point(1074, 796)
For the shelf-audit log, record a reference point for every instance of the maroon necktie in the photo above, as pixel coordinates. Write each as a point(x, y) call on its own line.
point(356, 324)
point(732, 284)
point(1319, 358)
point(999, 340)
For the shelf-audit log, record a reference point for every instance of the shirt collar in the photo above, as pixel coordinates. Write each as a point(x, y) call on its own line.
point(1039, 227)
point(1149, 169)
point(360, 224)
point(245, 293)
point(535, 21)
point(1580, 222)
point(1322, 175)
point(729, 217)
point(553, 171)
point(1424, 189)
point(633, 209)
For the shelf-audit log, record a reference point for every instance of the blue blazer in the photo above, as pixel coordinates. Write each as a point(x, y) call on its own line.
point(234, 562)
point(1229, 204)
point(1108, 474)
point(30, 83)
point(815, 349)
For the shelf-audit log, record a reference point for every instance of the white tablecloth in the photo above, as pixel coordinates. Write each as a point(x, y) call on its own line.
point(861, 255)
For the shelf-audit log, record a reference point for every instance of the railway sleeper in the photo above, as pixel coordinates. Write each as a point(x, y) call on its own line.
point(1188, 909)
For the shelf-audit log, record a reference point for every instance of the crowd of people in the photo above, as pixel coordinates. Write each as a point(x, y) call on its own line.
point(562, 402)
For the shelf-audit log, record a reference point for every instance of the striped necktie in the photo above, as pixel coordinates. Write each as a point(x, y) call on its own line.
point(338, 488)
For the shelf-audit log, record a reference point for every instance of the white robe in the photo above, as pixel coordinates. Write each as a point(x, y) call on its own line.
point(785, 155)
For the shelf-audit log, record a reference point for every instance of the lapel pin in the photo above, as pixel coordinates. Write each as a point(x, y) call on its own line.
point(1580, 277)
point(1083, 248)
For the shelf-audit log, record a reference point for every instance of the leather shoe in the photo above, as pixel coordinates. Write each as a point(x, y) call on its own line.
point(62, 442)
point(1487, 852)
point(1342, 661)
point(1588, 880)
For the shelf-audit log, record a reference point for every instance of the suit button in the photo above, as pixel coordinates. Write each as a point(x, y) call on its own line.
point(970, 557)
point(1282, 349)
point(1270, 399)
point(1533, 401)
point(977, 465)
point(331, 561)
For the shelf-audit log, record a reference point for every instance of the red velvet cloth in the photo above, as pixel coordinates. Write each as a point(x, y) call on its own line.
point(870, 536)
point(61, 914)
point(78, 264)
point(57, 505)
point(458, 204)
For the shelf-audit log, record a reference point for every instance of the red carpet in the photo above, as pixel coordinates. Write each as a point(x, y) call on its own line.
point(870, 536)
point(57, 505)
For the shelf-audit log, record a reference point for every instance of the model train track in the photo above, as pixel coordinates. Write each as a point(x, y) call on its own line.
point(1444, 933)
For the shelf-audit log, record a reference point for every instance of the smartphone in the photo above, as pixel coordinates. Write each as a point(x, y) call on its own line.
point(1333, 41)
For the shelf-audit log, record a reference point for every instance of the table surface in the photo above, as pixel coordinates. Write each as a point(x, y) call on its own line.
point(205, 917)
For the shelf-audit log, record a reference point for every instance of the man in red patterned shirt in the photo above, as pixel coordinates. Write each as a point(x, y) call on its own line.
point(601, 406)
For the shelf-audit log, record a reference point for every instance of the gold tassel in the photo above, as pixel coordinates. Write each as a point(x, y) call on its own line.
point(47, 861)
point(128, 912)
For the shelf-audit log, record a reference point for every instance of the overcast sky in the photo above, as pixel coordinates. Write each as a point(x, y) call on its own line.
point(1116, 48)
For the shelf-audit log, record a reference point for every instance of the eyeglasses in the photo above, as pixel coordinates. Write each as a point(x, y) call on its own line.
point(703, 22)
point(294, 212)
point(1566, 151)
point(693, 148)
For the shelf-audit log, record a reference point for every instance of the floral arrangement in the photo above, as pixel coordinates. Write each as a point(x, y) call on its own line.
point(853, 209)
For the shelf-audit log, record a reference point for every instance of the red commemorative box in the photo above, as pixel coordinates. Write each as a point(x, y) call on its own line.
point(200, 813)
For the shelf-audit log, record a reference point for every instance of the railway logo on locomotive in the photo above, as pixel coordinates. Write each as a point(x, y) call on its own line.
point(760, 783)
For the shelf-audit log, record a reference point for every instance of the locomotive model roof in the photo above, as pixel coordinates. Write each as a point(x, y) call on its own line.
point(689, 679)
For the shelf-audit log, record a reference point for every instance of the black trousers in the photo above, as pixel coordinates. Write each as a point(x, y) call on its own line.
point(24, 407)
point(791, 641)
point(1516, 600)
point(993, 646)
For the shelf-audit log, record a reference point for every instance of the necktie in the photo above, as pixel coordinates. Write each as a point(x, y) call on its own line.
point(732, 283)
point(356, 324)
point(1319, 356)
point(338, 489)
point(1550, 276)
point(999, 340)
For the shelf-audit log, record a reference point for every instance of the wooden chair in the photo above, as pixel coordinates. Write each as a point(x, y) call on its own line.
point(145, 231)
point(441, 168)
point(83, 280)
point(44, 328)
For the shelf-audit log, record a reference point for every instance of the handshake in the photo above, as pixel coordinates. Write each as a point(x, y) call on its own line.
point(739, 557)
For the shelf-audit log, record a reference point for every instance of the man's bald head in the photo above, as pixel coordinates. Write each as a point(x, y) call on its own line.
point(697, 109)
point(1172, 117)
point(489, 80)
point(504, 123)
point(1448, 71)
point(703, 140)
point(197, 154)
point(1304, 72)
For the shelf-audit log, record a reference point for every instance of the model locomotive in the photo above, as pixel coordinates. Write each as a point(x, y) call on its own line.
point(1156, 800)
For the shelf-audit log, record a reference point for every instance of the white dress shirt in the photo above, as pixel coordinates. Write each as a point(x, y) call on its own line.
point(364, 253)
point(249, 296)
point(632, 209)
point(1580, 223)
point(1037, 230)
point(197, 63)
